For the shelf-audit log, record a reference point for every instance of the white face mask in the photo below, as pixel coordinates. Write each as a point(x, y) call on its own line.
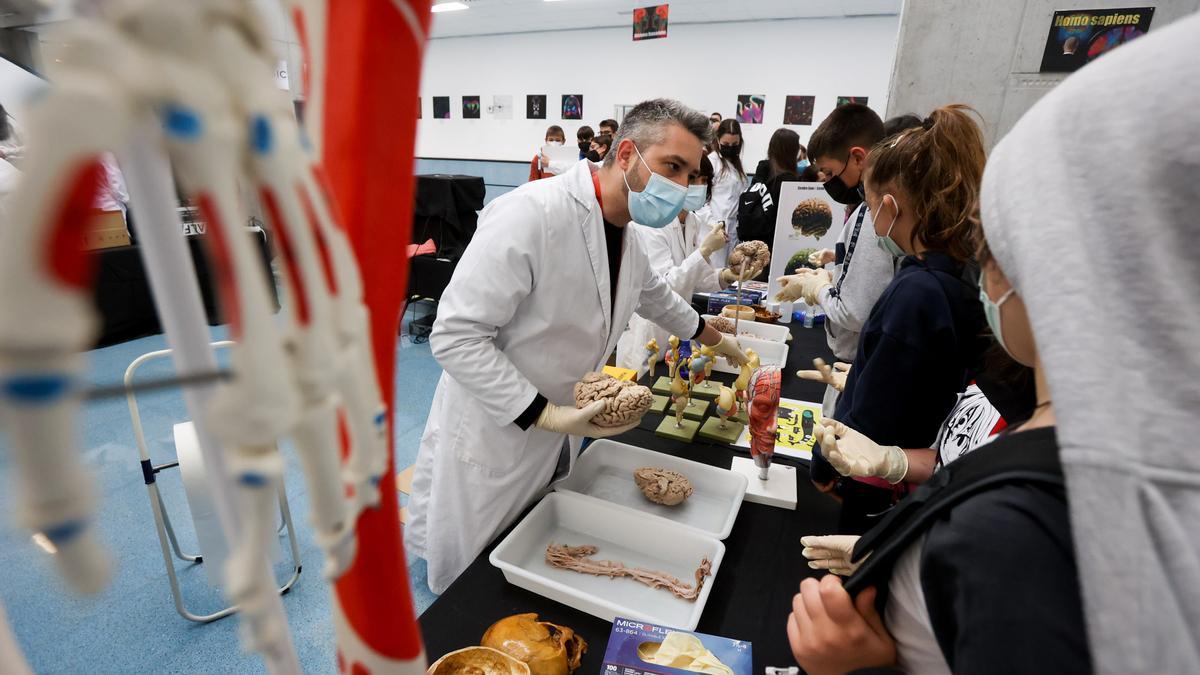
point(554, 143)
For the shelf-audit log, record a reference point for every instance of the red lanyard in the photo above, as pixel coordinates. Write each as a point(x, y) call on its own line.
point(596, 183)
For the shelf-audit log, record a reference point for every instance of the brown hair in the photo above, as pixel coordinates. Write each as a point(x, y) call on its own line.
point(782, 151)
point(939, 165)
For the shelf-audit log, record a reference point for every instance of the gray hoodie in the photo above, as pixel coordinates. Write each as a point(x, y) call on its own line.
point(1107, 260)
point(848, 302)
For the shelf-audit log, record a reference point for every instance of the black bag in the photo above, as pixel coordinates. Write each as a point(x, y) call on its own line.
point(754, 214)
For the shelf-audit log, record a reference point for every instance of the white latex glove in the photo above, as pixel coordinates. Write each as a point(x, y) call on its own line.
point(729, 348)
point(812, 283)
point(831, 552)
point(578, 421)
point(791, 287)
point(834, 377)
point(714, 241)
point(822, 257)
point(853, 454)
point(727, 278)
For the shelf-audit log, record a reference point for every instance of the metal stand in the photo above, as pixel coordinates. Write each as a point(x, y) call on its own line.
point(162, 522)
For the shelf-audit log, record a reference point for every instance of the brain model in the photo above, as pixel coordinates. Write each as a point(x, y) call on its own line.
point(721, 324)
point(812, 217)
point(661, 486)
point(625, 402)
point(749, 258)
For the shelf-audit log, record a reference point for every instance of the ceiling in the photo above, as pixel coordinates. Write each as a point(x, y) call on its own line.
point(489, 17)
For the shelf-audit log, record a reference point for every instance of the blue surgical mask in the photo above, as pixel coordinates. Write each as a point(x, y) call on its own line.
point(697, 196)
point(991, 310)
point(886, 242)
point(659, 202)
point(801, 165)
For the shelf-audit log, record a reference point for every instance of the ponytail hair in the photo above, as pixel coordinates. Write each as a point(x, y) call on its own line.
point(939, 166)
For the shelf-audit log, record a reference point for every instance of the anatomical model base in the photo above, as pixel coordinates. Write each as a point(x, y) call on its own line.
point(578, 559)
point(696, 410)
point(686, 432)
point(712, 430)
point(662, 386)
point(660, 404)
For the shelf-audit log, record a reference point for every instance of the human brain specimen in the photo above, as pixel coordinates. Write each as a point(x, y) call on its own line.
point(547, 648)
point(478, 661)
point(721, 324)
point(812, 217)
point(662, 486)
point(625, 402)
point(749, 258)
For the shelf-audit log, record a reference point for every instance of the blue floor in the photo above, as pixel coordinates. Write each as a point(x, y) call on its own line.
point(132, 626)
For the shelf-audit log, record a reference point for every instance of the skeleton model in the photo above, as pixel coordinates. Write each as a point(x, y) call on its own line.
point(204, 71)
point(652, 354)
point(764, 385)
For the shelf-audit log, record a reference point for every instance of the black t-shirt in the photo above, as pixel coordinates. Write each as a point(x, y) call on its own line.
point(1000, 580)
point(614, 237)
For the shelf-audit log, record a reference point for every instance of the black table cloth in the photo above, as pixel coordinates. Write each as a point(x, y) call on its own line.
point(445, 210)
point(752, 593)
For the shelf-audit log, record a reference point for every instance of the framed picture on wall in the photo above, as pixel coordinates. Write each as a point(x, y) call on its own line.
point(572, 106)
point(1079, 35)
point(441, 107)
point(501, 107)
point(650, 22)
point(470, 107)
point(798, 109)
point(750, 108)
point(843, 100)
point(535, 107)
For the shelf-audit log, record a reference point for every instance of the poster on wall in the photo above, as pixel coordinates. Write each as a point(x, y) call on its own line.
point(470, 107)
point(808, 220)
point(798, 109)
point(1079, 35)
point(535, 107)
point(501, 107)
point(750, 108)
point(650, 22)
point(843, 100)
point(572, 106)
point(441, 107)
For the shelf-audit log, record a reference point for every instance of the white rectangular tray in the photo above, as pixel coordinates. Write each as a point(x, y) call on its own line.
point(764, 331)
point(605, 471)
point(620, 534)
point(769, 353)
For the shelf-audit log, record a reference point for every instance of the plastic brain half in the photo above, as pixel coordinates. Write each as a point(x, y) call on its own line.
point(812, 217)
point(625, 402)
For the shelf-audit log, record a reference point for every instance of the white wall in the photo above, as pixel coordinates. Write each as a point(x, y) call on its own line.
point(705, 65)
point(987, 54)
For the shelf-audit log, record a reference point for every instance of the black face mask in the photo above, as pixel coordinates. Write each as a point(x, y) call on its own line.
point(731, 151)
point(841, 193)
point(593, 156)
point(584, 145)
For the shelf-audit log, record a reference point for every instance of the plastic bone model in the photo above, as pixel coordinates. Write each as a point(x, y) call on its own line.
point(625, 402)
point(742, 384)
point(702, 366)
point(764, 387)
point(203, 68)
point(727, 405)
point(652, 355)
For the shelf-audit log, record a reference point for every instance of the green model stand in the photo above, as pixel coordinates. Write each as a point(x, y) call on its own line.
point(696, 409)
point(712, 430)
point(700, 391)
point(660, 404)
point(662, 386)
point(685, 433)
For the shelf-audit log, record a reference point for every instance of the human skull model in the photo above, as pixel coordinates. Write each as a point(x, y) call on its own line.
point(548, 649)
point(812, 217)
point(749, 258)
point(661, 486)
point(625, 402)
point(478, 661)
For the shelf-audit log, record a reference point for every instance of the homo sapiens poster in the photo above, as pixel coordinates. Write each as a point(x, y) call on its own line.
point(650, 22)
point(1078, 36)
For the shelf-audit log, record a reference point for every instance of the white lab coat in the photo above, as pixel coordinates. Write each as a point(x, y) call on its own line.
point(674, 253)
point(527, 311)
point(727, 186)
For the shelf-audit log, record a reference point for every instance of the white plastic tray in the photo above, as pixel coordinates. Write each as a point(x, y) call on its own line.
point(605, 471)
point(621, 534)
point(764, 331)
point(769, 353)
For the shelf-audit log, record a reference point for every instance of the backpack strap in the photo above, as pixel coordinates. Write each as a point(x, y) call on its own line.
point(987, 468)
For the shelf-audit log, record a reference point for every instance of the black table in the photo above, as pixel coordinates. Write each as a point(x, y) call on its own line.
point(752, 593)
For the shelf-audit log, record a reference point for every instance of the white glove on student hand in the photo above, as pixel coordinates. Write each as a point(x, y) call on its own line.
point(821, 257)
point(812, 283)
point(714, 241)
point(790, 287)
point(834, 377)
point(853, 454)
point(831, 552)
point(578, 421)
point(729, 348)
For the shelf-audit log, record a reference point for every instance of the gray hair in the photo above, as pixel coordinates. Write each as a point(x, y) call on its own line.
point(646, 125)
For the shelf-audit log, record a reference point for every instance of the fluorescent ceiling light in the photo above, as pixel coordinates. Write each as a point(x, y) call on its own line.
point(449, 7)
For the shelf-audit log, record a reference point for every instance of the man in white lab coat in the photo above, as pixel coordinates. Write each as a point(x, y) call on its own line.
point(539, 298)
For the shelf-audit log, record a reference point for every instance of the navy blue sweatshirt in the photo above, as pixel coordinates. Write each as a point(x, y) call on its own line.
point(923, 337)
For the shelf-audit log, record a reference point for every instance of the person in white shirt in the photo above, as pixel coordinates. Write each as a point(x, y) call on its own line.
point(729, 181)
